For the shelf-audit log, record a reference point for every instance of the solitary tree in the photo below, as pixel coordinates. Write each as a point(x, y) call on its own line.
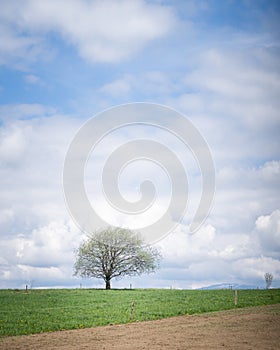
point(115, 253)
point(268, 279)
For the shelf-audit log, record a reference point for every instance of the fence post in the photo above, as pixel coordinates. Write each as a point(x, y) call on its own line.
point(132, 309)
point(235, 298)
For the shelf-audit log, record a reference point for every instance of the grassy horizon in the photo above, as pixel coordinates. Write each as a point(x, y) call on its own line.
point(45, 310)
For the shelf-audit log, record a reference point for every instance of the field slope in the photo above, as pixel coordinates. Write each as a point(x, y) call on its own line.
point(40, 311)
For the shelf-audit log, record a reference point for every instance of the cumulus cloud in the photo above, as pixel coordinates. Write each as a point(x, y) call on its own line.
point(243, 193)
point(268, 232)
point(20, 111)
point(232, 94)
point(33, 79)
point(247, 79)
point(149, 85)
point(108, 31)
point(37, 239)
point(12, 143)
point(49, 246)
point(117, 88)
point(46, 255)
point(210, 257)
point(16, 49)
point(230, 91)
point(233, 100)
point(254, 268)
point(31, 156)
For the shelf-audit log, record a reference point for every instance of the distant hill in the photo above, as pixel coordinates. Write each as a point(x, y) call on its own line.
point(230, 286)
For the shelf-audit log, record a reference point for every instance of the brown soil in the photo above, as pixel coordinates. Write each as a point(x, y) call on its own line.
point(250, 328)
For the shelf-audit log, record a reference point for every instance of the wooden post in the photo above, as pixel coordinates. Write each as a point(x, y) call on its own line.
point(235, 298)
point(132, 309)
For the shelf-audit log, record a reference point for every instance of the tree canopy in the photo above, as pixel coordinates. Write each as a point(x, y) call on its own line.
point(268, 279)
point(115, 253)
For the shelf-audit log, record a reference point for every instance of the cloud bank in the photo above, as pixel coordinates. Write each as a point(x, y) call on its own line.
point(63, 61)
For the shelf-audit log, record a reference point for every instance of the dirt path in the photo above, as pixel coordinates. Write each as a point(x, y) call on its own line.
point(250, 328)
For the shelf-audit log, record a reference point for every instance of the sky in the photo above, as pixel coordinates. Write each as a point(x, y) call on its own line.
point(215, 62)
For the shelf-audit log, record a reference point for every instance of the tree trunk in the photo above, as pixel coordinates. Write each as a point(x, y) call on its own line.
point(108, 284)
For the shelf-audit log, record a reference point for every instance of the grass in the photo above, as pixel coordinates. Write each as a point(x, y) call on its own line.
point(39, 311)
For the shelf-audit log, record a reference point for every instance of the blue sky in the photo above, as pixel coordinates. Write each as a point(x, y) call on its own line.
point(217, 62)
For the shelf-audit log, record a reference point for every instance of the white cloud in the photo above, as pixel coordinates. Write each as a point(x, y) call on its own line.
point(232, 97)
point(6, 215)
point(230, 91)
point(180, 248)
point(270, 172)
point(255, 268)
point(44, 256)
point(49, 246)
point(117, 88)
point(25, 110)
point(33, 79)
point(108, 31)
point(31, 157)
point(268, 232)
point(245, 85)
point(13, 143)
point(16, 49)
point(38, 241)
point(214, 257)
point(149, 85)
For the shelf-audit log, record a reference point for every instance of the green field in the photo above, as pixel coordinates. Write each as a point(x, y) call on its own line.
point(38, 311)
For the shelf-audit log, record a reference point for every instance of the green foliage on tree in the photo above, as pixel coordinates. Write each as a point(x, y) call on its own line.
point(115, 253)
